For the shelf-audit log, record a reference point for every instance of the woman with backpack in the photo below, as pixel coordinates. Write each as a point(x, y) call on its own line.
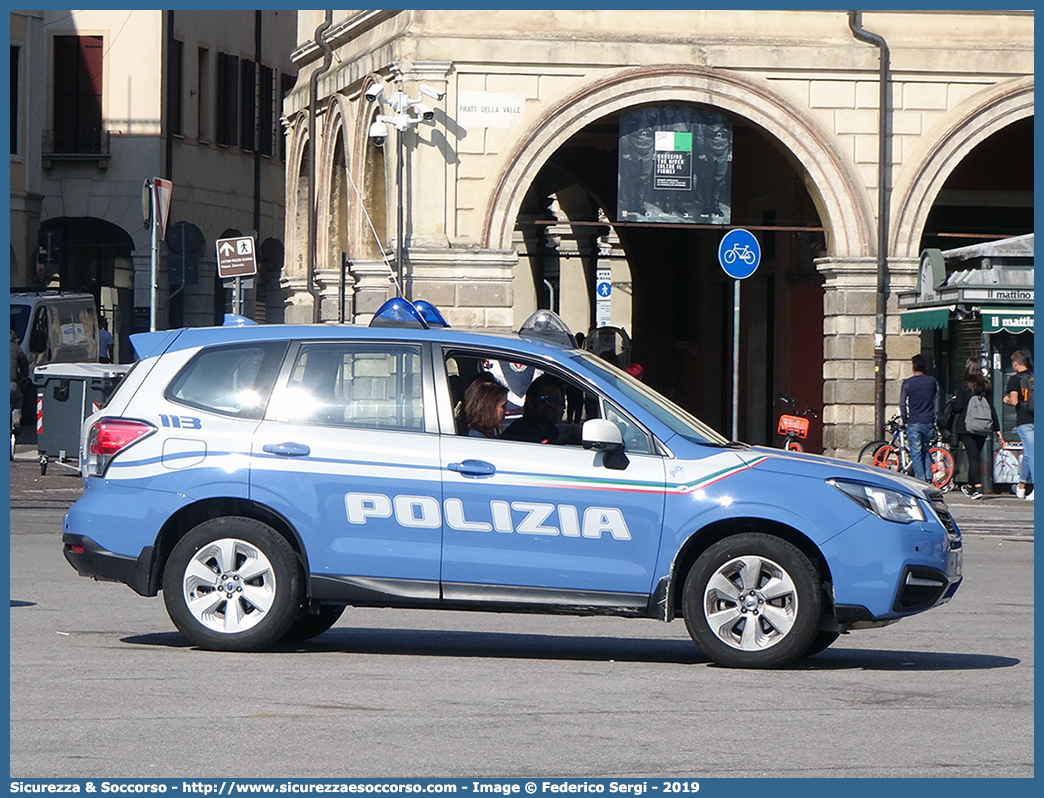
point(974, 420)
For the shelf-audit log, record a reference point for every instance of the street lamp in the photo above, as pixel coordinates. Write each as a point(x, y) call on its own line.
point(408, 112)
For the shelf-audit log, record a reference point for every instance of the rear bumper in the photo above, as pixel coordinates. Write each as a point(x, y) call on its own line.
point(90, 559)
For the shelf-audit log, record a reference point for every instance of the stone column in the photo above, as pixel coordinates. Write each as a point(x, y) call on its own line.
point(849, 308)
point(372, 287)
point(298, 303)
point(470, 287)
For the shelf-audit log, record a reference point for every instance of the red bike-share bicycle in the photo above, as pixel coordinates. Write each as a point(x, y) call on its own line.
point(794, 427)
point(895, 454)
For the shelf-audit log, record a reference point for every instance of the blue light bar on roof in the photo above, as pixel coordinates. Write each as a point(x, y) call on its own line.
point(398, 312)
point(430, 313)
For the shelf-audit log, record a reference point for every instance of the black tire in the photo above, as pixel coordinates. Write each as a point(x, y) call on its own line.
point(233, 584)
point(753, 600)
point(822, 642)
point(866, 454)
point(308, 626)
point(43, 466)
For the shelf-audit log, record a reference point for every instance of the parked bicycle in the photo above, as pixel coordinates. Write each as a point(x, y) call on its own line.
point(794, 427)
point(895, 454)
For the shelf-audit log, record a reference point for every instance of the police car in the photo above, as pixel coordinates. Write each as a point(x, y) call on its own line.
point(266, 477)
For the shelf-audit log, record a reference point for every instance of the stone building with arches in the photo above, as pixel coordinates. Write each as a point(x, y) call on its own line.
point(505, 198)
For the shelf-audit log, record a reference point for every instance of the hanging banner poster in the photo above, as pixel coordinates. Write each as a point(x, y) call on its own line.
point(675, 165)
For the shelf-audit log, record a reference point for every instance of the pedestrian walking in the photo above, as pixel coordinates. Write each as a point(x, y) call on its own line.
point(19, 375)
point(974, 420)
point(917, 409)
point(105, 343)
point(1019, 394)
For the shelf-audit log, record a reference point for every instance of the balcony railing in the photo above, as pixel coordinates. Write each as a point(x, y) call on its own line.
point(62, 146)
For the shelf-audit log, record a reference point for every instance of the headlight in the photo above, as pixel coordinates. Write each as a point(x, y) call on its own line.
point(891, 505)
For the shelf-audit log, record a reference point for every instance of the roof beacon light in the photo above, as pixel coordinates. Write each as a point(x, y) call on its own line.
point(398, 312)
point(545, 325)
point(430, 313)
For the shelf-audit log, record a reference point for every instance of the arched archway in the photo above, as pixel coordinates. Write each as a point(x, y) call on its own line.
point(832, 179)
point(333, 190)
point(370, 213)
point(94, 256)
point(970, 124)
point(297, 178)
point(789, 173)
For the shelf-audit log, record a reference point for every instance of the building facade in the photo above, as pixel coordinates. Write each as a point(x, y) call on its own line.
point(856, 141)
point(109, 99)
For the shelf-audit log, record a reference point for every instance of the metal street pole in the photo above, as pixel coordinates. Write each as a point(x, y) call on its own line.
point(400, 232)
point(735, 358)
point(153, 281)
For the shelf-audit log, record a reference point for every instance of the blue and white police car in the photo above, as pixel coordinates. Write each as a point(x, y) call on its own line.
point(266, 477)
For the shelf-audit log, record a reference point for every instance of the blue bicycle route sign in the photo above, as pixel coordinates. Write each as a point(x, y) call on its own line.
point(739, 253)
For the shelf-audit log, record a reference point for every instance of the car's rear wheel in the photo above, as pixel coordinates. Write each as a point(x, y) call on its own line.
point(308, 626)
point(232, 584)
point(753, 600)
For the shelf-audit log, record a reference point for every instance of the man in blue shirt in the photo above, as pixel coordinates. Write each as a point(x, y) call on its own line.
point(917, 409)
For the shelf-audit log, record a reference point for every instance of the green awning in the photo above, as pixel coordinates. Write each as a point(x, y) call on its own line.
point(1013, 319)
point(925, 318)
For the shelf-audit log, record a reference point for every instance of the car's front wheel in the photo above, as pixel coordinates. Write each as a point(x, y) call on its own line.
point(232, 584)
point(753, 600)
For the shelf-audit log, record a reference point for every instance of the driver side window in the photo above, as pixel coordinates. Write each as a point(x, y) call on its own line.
point(579, 404)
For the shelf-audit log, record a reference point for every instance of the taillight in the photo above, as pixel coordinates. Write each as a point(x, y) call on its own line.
point(107, 438)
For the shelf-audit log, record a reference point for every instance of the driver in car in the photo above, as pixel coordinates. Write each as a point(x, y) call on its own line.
point(541, 414)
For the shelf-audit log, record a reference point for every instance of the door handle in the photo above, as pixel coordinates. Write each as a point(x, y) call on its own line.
point(287, 449)
point(474, 469)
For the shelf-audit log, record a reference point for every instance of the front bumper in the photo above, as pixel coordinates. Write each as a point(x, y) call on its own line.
point(884, 571)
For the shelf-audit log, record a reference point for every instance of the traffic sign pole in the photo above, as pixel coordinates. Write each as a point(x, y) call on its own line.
point(739, 255)
point(236, 259)
point(154, 270)
point(159, 204)
point(735, 358)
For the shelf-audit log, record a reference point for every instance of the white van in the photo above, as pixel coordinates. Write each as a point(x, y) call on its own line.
point(55, 327)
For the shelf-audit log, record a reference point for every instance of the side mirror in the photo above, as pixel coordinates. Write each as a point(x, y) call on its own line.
point(604, 436)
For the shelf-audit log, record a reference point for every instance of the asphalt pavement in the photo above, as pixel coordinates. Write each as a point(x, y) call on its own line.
point(948, 693)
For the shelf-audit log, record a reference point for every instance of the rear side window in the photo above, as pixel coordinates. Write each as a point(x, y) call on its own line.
point(231, 380)
point(353, 384)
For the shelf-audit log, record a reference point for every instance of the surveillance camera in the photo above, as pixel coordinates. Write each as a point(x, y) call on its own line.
point(426, 113)
point(374, 93)
point(399, 101)
point(428, 91)
point(379, 133)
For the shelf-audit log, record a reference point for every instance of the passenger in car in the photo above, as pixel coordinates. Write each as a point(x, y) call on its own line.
point(543, 408)
point(485, 403)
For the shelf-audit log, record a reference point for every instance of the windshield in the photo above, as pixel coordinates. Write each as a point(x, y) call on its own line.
point(661, 408)
point(19, 319)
